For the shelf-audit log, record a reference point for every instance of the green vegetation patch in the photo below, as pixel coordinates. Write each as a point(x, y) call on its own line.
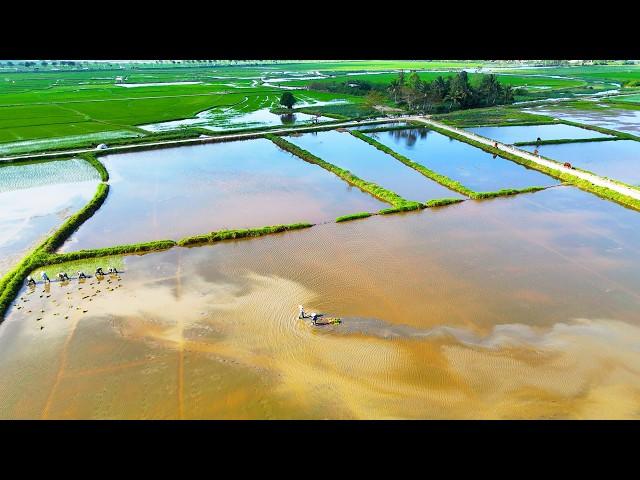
point(354, 216)
point(133, 248)
point(441, 202)
point(56, 240)
point(97, 164)
point(404, 208)
point(243, 233)
point(504, 116)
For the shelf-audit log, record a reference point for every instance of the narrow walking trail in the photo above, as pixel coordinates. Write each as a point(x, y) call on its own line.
point(206, 139)
point(594, 179)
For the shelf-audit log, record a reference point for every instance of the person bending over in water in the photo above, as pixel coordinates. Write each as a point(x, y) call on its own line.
point(81, 276)
point(314, 318)
point(62, 276)
point(301, 314)
point(99, 271)
point(44, 277)
point(113, 271)
point(30, 281)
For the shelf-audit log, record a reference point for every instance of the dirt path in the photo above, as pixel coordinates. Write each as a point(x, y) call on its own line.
point(208, 139)
point(595, 179)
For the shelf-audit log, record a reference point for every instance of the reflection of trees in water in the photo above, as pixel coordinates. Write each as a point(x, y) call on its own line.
point(288, 118)
point(409, 135)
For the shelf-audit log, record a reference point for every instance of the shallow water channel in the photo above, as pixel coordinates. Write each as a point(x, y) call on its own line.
point(516, 307)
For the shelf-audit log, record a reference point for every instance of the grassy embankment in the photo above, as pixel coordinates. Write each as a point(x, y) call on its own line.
point(97, 164)
point(241, 233)
point(398, 203)
point(353, 216)
point(42, 255)
point(492, 117)
point(566, 140)
point(585, 185)
point(442, 179)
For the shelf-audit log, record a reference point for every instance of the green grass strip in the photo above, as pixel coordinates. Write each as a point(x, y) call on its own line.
point(354, 216)
point(441, 202)
point(566, 140)
point(97, 164)
point(441, 179)
point(56, 240)
point(129, 249)
point(404, 208)
point(243, 233)
point(585, 185)
point(369, 187)
point(507, 191)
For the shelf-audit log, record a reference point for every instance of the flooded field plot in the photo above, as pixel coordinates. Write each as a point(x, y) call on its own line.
point(519, 307)
point(619, 160)
point(367, 162)
point(609, 117)
point(474, 168)
point(35, 199)
point(530, 133)
point(176, 192)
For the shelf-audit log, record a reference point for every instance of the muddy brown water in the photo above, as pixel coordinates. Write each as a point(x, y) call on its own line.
point(520, 307)
point(177, 192)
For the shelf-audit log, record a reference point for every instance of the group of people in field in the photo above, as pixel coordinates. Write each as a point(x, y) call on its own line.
point(64, 277)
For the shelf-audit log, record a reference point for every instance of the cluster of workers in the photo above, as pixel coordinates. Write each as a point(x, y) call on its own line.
point(64, 277)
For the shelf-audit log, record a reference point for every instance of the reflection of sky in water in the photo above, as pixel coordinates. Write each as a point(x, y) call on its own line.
point(348, 152)
point(480, 310)
point(618, 159)
point(474, 168)
point(174, 192)
point(529, 133)
point(615, 119)
point(27, 215)
point(218, 119)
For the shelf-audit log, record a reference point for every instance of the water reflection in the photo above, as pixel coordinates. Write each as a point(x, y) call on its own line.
point(175, 192)
point(367, 162)
point(520, 307)
point(408, 136)
point(474, 168)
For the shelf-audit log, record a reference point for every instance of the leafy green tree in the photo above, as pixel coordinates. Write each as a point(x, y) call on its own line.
point(460, 93)
point(288, 100)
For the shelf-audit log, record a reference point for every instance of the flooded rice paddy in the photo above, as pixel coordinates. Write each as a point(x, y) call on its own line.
point(531, 133)
point(619, 160)
point(609, 117)
point(472, 167)
point(518, 307)
point(367, 162)
point(177, 192)
point(35, 199)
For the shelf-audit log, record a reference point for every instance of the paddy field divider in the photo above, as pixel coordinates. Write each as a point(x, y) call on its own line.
point(630, 198)
point(369, 187)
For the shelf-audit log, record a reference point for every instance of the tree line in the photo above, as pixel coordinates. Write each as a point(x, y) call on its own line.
point(440, 95)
